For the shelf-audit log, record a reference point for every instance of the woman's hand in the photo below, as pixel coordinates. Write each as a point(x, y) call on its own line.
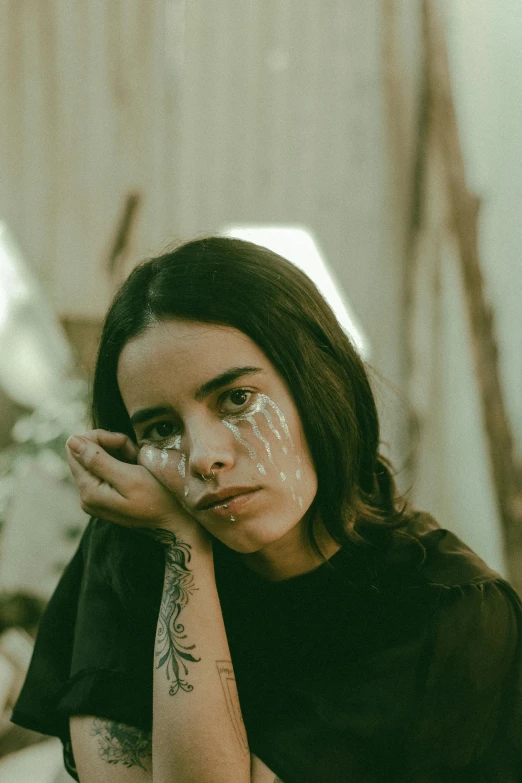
point(113, 486)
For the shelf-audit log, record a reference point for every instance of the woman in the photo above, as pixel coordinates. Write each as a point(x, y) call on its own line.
point(259, 541)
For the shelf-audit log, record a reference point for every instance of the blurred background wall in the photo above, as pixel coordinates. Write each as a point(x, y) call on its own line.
point(241, 112)
point(128, 125)
point(301, 112)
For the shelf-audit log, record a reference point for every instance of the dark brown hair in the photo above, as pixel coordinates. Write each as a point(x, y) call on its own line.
point(231, 282)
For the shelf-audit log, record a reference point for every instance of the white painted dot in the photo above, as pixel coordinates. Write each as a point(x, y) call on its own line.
point(283, 476)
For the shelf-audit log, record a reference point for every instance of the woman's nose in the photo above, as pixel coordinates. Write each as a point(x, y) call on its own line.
point(209, 448)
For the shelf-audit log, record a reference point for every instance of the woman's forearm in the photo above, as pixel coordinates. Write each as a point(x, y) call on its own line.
point(110, 752)
point(198, 730)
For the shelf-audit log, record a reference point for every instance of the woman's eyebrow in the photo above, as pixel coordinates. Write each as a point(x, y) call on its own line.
point(144, 414)
point(223, 379)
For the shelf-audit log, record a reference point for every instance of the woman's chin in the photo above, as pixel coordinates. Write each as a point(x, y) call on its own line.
point(243, 548)
point(242, 544)
point(248, 542)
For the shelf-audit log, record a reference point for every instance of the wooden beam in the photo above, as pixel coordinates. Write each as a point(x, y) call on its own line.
point(122, 239)
point(464, 212)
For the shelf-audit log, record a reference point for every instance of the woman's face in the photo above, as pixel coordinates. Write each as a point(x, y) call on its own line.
point(203, 399)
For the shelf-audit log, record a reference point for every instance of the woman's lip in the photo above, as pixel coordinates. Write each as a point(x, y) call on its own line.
point(233, 505)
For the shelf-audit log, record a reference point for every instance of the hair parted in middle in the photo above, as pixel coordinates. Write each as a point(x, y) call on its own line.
point(231, 282)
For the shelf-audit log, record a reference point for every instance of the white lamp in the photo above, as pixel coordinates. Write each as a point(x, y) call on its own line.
point(298, 245)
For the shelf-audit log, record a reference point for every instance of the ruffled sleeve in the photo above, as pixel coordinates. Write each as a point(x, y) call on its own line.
point(469, 721)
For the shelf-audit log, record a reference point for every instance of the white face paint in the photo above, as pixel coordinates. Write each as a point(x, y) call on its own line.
point(250, 443)
point(258, 435)
point(237, 435)
point(158, 460)
point(149, 454)
point(262, 408)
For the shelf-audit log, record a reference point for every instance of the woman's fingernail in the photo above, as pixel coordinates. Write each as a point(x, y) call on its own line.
point(75, 444)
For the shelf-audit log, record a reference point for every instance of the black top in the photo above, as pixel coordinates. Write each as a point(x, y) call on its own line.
point(342, 676)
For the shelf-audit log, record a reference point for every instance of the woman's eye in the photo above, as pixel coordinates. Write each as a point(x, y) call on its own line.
point(159, 431)
point(237, 398)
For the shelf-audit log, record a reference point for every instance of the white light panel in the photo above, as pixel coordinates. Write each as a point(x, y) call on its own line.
point(34, 353)
point(299, 246)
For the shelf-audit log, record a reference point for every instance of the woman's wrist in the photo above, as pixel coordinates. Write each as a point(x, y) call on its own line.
point(173, 534)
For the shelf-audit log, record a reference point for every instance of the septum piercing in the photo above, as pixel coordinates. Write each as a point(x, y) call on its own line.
point(205, 478)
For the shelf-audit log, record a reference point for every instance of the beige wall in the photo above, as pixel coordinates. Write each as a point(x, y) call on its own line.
point(453, 477)
point(286, 111)
point(229, 112)
point(487, 73)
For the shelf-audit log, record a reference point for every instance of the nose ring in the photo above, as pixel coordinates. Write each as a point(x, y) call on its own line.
point(208, 478)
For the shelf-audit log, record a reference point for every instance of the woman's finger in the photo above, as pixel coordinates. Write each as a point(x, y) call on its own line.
point(90, 486)
point(95, 460)
point(99, 498)
point(118, 491)
point(116, 443)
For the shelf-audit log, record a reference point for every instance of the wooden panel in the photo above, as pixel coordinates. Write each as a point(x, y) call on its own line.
point(83, 123)
point(84, 336)
point(215, 113)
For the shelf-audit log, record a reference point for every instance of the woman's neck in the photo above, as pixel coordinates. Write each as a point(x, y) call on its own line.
point(291, 555)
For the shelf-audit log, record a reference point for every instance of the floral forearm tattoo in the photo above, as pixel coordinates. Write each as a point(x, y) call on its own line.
point(122, 744)
point(172, 652)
